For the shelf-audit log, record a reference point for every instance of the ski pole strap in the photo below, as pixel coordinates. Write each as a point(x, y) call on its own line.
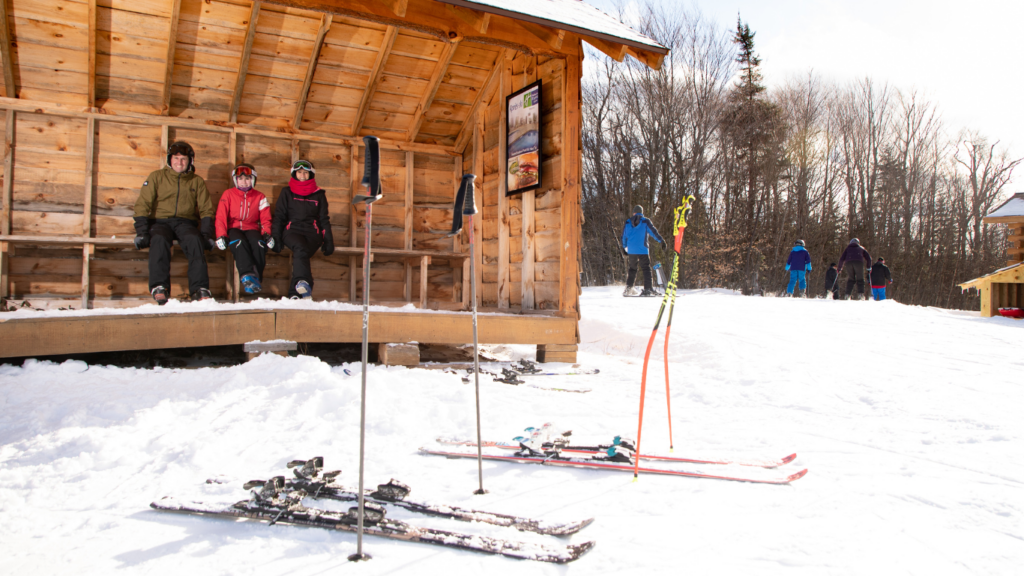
point(680, 221)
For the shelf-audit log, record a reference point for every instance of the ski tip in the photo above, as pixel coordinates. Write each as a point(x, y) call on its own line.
point(789, 458)
point(797, 476)
point(578, 550)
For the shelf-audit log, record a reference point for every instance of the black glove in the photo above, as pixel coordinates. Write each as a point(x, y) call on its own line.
point(328, 248)
point(277, 245)
point(142, 242)
point(208, 232)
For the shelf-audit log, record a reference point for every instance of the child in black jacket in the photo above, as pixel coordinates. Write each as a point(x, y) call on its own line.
point(302, 223)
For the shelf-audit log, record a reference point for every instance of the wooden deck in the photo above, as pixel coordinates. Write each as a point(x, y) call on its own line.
point(106, 333)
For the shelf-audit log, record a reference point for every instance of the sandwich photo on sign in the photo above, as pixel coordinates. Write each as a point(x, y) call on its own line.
point(523, 159)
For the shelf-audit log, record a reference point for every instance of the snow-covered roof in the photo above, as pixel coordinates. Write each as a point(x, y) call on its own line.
point(977, 282)
point(570, 15)
point(1012, 207)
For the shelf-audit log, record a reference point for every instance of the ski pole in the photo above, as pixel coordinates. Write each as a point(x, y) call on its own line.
point(679, 229)
point(371, 179)
point(465, 204)
point(643, 379)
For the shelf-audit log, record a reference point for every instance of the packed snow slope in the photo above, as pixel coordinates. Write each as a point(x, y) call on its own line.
point(908, 418)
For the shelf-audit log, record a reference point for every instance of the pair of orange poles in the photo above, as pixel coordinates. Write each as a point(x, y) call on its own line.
point(678, 228)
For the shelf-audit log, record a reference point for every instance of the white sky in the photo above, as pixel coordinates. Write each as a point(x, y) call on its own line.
point(964, 56)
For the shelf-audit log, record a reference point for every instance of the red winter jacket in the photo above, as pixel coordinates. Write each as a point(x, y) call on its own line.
point(246, 210)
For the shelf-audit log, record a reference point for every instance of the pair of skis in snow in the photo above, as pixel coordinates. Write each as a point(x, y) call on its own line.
point(557, 450)
point(281, 501)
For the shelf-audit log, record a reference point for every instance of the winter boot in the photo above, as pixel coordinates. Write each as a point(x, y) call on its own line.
point(251, 284)
point(628, 291)
point(202, 294)
point(303, 288)
point(159, 294)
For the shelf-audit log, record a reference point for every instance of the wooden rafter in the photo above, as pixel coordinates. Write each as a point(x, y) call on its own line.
point(172, 41)
point(467, 128)
point(652, 60)
point(614, 51)
point(325, 26)
point(243, 66)
point(435, 82)
point(478, 20)
point(91, 78)
point(5, 52)
point(375, 77)
point(553, 38)
point(397, 6)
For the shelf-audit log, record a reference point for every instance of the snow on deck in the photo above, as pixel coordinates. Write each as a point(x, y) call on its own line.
point(908, 419)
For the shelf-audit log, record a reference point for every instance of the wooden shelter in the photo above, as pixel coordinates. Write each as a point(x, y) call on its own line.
point(95, 90)
point(1004, 288)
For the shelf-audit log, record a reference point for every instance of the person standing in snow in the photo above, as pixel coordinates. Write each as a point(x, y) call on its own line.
point(832, 281)
point(243, 223)
point(798, 264)
point(174, 204)
point(302, 223)
point(634, 242)
point(857, 258)
point(880, 278)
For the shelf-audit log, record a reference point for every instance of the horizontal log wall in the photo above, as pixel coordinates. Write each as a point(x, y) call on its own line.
point(52, 177)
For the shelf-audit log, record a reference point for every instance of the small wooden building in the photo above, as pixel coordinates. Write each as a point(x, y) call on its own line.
point(1004, 288)
point(95, 90)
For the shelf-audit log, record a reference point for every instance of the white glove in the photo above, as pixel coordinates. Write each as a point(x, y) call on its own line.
point(270, 243)
point(222, 243)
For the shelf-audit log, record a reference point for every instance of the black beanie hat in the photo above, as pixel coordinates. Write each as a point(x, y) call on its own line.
point(638, 209)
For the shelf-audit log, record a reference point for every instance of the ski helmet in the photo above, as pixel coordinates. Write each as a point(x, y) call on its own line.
point(184, 149)
point(638, 209)
point(855, 241)
point(799, 243)
point(243, 170)
point(304, 165)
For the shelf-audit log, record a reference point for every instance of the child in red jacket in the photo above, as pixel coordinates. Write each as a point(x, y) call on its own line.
point(243, 223)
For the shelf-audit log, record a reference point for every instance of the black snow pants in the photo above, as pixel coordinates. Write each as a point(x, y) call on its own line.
point(854, 275)
point(644, 261)
point(162, 233)
point(303, 245)
point(249, 252)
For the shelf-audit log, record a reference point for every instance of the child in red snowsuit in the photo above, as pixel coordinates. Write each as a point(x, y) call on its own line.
point(243, 223)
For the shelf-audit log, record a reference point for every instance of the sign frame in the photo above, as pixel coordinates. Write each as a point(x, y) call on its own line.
point(522, 146)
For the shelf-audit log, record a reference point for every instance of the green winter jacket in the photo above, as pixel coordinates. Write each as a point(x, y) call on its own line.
point(167, 194)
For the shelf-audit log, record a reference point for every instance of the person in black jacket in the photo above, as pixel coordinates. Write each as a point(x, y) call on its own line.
point(301, 222)
point(832, 281)
point(857, 260)
point(880, 278)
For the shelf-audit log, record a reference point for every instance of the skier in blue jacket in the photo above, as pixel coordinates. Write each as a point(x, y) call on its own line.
point(634, 243)
point(799, 264)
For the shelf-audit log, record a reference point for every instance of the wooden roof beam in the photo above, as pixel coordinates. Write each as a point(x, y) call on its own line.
point(478, 20)
point(325, 26)
point(467, 127)
point(435, 82)
point(172, 42)
point(5, 53)
point(616, 52)
point(551, 37)
point(397, 6)
point(243, 66)
point(375, 77)
point(652, 60)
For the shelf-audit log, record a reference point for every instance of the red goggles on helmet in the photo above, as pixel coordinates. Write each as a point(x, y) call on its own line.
point(244, 171)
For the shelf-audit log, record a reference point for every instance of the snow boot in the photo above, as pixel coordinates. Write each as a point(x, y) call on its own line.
point(202, 294)
point(651, 292)
point(251, 284)
point(628, 291)
point(304, 290)
point(159, 294)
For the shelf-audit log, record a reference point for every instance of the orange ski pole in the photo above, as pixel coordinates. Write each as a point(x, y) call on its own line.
point(680, 228)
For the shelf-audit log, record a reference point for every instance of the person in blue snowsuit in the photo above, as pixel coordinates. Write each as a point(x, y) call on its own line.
point(799, 264)
point(634, 243)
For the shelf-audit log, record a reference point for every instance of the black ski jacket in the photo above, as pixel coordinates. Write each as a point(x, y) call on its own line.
point(830, 278)
point(302, 214)
point(880, 275)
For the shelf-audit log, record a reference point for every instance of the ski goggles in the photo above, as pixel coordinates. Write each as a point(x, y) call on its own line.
point(302, 165)
point(244, 171)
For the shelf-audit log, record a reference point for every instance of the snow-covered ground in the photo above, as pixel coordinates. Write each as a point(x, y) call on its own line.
point(908, 418)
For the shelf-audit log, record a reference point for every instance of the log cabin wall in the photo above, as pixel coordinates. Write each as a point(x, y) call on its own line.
point(95, 90)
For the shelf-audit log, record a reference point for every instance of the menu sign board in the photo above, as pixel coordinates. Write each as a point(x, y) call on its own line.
point(522, 153)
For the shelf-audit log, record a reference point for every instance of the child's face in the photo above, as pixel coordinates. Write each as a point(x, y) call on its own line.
point(302, 175)
point(243, 181)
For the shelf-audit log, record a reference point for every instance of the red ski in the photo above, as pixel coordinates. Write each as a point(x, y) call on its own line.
point(598, 464)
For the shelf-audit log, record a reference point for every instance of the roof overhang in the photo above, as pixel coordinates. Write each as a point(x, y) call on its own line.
point(1014, 274)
